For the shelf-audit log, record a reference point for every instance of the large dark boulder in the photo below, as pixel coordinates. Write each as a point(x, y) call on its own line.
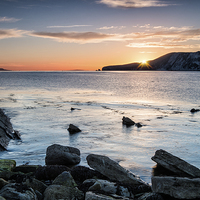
point(175, 164)
point(177, 187)
point(81, 173)
point(62, 155)
point(113, 170)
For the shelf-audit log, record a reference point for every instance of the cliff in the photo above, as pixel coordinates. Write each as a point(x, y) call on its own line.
point(171, 62)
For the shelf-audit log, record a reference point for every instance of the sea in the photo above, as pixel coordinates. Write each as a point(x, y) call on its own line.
point(39, 106)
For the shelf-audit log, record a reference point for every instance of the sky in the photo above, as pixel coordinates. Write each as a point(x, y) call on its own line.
point(54, 35)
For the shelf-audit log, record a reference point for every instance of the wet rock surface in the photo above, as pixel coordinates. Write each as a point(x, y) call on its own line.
point(73, 129)
point(112, 170)
point(6, 131)
point(62, 155)
point(127, 121)
point(175, 164)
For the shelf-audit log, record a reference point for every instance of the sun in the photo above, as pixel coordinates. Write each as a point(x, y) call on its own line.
point(144, 65)
point(144, 62)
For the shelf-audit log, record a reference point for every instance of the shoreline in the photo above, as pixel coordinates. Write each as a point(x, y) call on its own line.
point(64, 161)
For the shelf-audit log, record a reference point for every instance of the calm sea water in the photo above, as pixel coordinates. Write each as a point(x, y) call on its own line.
point(39, 105)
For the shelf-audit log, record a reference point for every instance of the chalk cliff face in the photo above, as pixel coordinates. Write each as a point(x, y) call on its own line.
point(171, 62)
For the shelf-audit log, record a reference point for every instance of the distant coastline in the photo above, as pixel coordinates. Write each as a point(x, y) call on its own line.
point(2, 69)
point(169, 62)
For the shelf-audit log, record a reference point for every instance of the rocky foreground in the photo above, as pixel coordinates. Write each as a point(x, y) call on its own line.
point(62, 178)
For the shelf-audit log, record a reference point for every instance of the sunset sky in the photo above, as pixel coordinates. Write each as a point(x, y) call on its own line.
point(90, 34)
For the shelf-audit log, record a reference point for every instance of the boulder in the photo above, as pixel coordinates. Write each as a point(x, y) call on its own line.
point(177, 187)
point(65, 179)
point(7, 165)
point(150, 196)
point(73, 129)
point(26, 168)
point(62, 155)
point(109, 188)
point(112, 170)
point(93, 196)
point(7, 174)
point(50, 172)
point(55, 192)
point(175, 164)
point(36, 185)
point(81, 173)
point(3, 183)
point(127, 121)
point(18, 192)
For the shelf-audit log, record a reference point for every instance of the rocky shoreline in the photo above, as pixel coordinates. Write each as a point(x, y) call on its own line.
point(63, 178)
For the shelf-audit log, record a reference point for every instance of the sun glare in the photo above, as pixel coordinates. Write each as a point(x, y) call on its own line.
point(144, 65)
point(144, 62)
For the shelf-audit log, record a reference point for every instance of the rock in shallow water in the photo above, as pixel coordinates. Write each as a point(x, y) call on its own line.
point(62, 155)
point(73, 129)
point(175, 164)
point(127, 121)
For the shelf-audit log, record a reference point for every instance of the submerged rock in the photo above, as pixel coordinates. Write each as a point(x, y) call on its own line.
point(175, 164)
point(73, 129)
point(112, 170)
point(62, 155)
point(138, 125)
